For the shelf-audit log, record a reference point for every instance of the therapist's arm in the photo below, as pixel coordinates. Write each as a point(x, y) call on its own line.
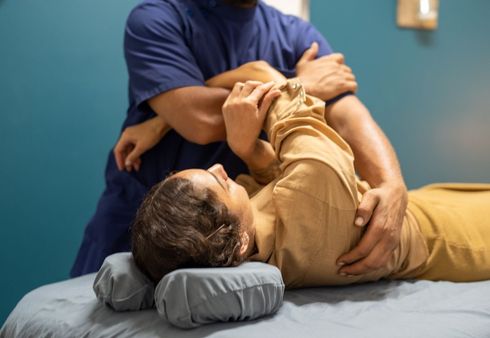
point(381, 209)
point(194, 112)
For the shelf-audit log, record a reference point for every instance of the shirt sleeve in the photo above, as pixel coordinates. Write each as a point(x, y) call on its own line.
point(309, 34)
point(157, 56)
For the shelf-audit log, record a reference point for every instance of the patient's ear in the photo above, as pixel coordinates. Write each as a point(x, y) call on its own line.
point(245, 239)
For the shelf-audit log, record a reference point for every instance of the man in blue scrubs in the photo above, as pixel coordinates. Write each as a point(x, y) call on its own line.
point(171, 48)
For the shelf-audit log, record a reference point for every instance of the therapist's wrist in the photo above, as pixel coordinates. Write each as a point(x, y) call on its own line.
point(160, 126)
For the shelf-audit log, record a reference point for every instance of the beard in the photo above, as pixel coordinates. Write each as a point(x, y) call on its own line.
point(242, 2)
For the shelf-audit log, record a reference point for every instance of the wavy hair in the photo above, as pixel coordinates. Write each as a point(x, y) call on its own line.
point(179, 225)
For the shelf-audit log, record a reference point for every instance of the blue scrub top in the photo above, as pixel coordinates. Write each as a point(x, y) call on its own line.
point(177, 43)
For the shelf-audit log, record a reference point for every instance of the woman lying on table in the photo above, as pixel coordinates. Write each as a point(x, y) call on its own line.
point(297, 209)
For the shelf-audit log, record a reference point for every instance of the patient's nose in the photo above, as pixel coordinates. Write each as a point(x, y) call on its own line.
point(218, 170)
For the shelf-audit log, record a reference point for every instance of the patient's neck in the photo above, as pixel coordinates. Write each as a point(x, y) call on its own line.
point(252, 247)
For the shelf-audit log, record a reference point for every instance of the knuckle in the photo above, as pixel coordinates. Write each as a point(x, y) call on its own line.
point(371, 265)
point(392, 238)
point(362, 252)
point(363, 209)
point(379, 231)
point(249, 103)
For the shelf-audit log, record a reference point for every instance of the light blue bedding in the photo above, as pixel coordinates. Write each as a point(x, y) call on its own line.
point(384, 309)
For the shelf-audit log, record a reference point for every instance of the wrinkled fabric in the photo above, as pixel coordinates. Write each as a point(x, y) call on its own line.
point(305, 217)
point(402, 309)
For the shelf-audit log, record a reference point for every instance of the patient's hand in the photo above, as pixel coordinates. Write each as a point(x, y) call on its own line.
point(252, 71)
point(325, 77)
point(244, 112)
point(136, 140)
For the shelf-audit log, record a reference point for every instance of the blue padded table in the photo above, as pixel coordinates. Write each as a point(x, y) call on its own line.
point(388, 309)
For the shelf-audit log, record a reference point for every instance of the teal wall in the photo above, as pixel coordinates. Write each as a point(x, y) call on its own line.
point(429, 91)
point(63, 88)
point(63, 98)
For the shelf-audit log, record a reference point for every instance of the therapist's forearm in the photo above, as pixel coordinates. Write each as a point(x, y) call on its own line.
point(194, 112)
point(375, 158)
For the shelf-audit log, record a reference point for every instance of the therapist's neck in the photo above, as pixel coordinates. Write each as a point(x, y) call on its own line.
point(242, 3)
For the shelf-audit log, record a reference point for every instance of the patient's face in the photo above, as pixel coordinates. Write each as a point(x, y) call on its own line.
point(233, 195)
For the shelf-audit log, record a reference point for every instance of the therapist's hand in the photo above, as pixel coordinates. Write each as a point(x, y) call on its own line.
point(326, 77)
point(136, 140)
point(382, 210)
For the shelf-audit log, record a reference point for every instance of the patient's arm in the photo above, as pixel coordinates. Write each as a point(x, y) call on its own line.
point(258, 155)
point(251, 71)
point(263, 164)
point(244, 111)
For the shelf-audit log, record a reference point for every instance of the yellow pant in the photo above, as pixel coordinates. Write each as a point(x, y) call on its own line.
point(305, 217)
point(455, 222)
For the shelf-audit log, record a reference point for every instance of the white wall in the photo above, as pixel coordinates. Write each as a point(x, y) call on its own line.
point(299, 8)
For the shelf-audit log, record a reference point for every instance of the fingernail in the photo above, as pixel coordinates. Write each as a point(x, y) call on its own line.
point(359, 221)
point(350, 276)
point(340, 263)
point(343, 274)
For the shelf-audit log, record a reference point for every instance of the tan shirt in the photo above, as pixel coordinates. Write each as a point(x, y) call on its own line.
point(305, 217)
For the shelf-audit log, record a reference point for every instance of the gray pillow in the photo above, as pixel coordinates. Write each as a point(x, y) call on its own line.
point(121, 285)
point(188, 298)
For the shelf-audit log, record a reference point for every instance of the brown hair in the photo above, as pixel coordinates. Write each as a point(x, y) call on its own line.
point(179, 225)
